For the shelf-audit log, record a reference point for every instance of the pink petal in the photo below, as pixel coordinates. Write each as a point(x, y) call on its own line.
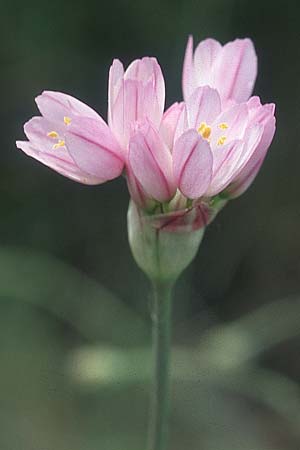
point(138, 95)
point(251, 140)
point(224, 166)
point(188, 73)
point(204, 105)
point(250, 170)
point(37, 129)
point(192, 164)
point(135, 102)
point(61, 164)
point(230, 69)
point(259, 113)
point(239, 186)
point(94, 148)
point(169, 123)
point(125, 111)
point(205, 57)
point(182, 123)
point(254, 103)
point(151, 163)
point(237, 120)
point(145, 70)
point(115, 80)
point(75, 159)
point(137, 193)
point(55, 106)
point(235, 70)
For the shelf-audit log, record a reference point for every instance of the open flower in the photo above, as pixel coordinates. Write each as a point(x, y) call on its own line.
point(74, 140)
point(207, 149)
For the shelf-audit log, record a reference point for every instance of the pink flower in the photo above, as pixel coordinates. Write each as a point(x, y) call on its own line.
point(230, 69)
point(74, 140)
point(217, 138)
point(179, 164)
point(209, 148)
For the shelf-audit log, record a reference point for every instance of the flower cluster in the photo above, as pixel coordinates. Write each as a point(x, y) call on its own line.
point(206, 148)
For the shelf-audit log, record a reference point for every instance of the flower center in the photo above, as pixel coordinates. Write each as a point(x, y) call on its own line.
point(222, 139)
point(205, 130)
point(55, 135)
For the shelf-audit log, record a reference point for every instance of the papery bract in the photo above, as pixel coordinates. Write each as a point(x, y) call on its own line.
point(163, 251)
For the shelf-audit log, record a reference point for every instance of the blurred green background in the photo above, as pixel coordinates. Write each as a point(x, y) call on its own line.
point(74, 308)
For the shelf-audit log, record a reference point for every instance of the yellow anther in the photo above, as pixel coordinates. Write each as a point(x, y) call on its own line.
point(204, 130)
point(53, 134)
point(61, 143)
point(221, 140)
point(67, 120)
point(223, 125)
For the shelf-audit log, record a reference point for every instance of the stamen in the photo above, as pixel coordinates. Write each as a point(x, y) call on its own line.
point(221, 140)
point(204, 130)
point(223, 126)
point(53, 134)
point(67, 120)
point(61, 143)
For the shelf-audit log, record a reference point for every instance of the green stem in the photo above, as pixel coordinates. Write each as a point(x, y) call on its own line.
point(161, 329)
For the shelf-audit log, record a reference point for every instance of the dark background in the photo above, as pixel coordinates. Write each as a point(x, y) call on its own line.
point(74, 322)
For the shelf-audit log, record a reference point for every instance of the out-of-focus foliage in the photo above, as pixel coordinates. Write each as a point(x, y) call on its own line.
point(74, 356)
point(76, 369)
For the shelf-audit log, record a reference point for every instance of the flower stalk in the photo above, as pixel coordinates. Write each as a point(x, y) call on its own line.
point(161, 338)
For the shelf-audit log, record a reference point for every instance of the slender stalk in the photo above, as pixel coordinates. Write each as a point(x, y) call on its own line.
point(161, 330)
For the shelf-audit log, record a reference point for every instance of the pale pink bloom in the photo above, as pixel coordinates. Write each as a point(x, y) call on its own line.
point(231, 69)
point(230, 136)
point(175, 161)
point(74, 140)
point(209, 148)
